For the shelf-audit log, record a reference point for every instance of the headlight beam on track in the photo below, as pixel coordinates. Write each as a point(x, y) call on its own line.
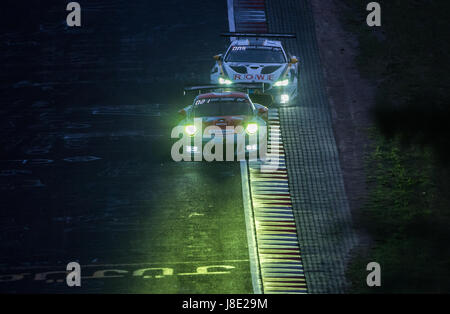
point(277, 245)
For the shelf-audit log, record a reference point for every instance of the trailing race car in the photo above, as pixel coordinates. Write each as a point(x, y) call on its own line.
point(254, 58)
point(228, 119)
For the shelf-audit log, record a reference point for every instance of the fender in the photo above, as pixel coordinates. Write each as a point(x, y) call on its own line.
point(292, 61)
point(218, 59)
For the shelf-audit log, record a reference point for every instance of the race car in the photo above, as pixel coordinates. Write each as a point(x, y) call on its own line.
point(256, 58)
point(238, 124)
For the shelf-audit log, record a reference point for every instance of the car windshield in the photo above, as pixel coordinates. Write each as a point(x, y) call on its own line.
point(255, 54)
point(207, 107)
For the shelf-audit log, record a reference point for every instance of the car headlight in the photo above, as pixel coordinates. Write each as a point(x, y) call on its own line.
point(284, 98)
point(190, 130)
point(282, 83)
point(251, 128)
point(224, 81)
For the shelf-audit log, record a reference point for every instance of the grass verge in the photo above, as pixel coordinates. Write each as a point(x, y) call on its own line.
point(408, 209)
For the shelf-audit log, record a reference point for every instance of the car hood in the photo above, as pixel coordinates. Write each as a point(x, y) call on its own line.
point(224, 121)
point(254, 72)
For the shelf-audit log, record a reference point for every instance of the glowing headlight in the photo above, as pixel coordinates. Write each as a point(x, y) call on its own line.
point(252, 128)
point(190, 129)
point(224, 81)
point(284, 98)
point(282, 83)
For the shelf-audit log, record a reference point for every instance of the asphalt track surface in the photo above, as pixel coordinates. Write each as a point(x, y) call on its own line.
point(85, 167)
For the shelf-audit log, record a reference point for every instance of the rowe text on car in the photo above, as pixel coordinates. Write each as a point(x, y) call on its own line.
point(256, 58)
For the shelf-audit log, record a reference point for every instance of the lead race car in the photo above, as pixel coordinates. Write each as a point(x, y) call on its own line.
point(256, 58)
point(221, 116)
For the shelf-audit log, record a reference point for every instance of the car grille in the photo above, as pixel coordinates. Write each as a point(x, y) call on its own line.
point(270, 69)
point(239, 69)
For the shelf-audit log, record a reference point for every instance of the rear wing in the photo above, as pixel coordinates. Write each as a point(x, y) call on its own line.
point(241, 87)
point(263, 35)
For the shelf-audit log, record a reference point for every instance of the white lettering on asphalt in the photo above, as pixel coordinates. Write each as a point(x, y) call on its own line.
point(145, 273)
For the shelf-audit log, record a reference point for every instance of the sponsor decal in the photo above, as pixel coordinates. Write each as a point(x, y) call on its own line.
point(254, 77)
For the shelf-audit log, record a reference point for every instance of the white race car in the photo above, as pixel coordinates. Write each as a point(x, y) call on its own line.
point(255, 58)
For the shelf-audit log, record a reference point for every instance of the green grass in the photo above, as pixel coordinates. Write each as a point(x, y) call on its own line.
point(408, 220)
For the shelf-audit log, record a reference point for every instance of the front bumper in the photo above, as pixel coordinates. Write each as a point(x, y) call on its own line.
point(246, 149)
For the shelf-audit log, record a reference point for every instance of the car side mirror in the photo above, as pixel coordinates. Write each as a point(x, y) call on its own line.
point(293, 60)
point(218, 57)
point(262, 111)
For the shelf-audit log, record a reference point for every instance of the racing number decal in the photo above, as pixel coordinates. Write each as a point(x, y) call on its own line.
point(200, 101)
